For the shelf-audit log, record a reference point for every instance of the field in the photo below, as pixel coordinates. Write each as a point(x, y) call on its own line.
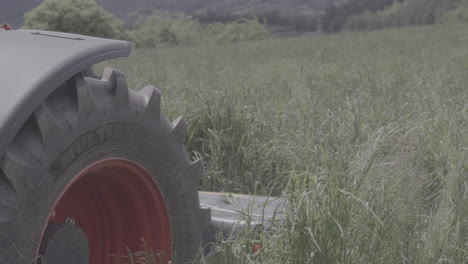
point(365, 134)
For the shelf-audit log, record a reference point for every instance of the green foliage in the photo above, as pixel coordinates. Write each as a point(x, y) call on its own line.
point(163, 28)
point(75, 16)
point(423, 12)
point(298, 21)
point(364, 133)
point(145, 7)
point(457, 15)
point(178, 29)
point(389, 17)
point(12, 10)
point(240, 30)
point(410, 12)
point(335, 17)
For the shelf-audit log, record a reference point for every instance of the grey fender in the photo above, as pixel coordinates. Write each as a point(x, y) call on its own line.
point(34, 63)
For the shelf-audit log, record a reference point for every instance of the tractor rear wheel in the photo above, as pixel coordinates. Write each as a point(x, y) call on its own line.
point(98, 174)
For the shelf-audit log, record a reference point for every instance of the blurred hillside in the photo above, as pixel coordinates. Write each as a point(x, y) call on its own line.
point(280, 15)
point(12, 11)
point(377, 14)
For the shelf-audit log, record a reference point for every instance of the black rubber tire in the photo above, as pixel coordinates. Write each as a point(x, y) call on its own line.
point(85, 120)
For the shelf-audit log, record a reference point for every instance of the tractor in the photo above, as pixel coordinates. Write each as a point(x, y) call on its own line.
point(90, 170)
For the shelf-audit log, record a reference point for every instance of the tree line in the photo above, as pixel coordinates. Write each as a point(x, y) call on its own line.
point(299, 21)
point(377, 14)
point(158, 29)
point(163, 28)
point(336, 16)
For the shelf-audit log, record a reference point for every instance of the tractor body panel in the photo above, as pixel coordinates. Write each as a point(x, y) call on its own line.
point(34, 63)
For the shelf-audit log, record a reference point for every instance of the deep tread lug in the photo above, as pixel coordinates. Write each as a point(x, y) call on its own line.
point(27, 148)
point(8, 198)
point(198, 170)
point(86, 105)
point(204, 216)
point(5, 184)
point(153, 103)
point(12, 171)
point(50, 129)
point(179, 129)
point(62, 105)
point(118, 81)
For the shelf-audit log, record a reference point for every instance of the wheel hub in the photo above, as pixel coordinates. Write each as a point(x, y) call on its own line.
point(115, 209)
point(64, 243)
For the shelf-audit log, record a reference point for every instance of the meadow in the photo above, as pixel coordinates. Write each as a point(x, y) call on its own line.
point(365, 134)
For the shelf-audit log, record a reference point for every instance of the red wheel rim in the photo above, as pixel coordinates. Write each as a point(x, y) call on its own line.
point(120, 209)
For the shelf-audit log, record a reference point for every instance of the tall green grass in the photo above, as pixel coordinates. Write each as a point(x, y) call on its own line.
point(365, 134)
